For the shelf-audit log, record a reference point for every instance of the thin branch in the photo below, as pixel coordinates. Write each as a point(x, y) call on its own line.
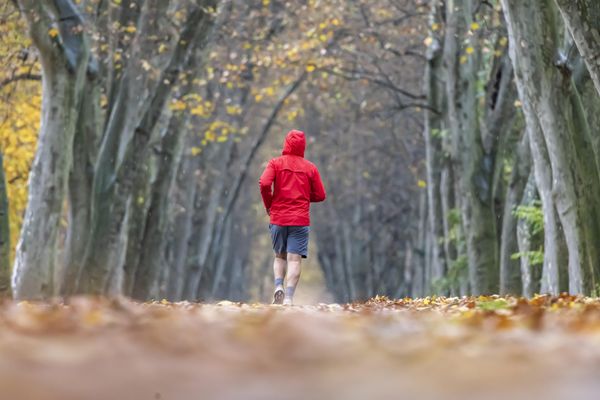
point(357, 75)
point(20, 77)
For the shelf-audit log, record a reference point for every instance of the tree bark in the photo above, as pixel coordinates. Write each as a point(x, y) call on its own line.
point(547, 87)
point(524, 243)
point(153, 243)
point(88, 132)
point(475, 174)
point(182, 226)
point(582, 19)
point(510, 274)
point(555, 253)
point(434, 91)
point(5, 290)
point(114, 178)
point(64, 66)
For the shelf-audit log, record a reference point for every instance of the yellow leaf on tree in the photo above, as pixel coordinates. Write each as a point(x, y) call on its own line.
point(177, 105)
point(234, 110)
point(198, 110)
point(475, 26)
point(210, 136)
point(421, 183)
point(310, 68)
point(470, 50)
point(195, 151)
point(53, 32)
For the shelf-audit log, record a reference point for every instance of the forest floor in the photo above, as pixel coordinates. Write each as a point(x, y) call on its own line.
point(432, 348)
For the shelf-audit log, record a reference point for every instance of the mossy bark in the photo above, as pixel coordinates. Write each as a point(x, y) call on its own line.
point(5, 289)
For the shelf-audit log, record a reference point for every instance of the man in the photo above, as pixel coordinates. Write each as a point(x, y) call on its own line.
point(288, 185)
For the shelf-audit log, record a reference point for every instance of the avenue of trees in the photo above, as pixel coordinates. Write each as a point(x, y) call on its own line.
point(156, 117)
point(512, 147)
point(458, 141)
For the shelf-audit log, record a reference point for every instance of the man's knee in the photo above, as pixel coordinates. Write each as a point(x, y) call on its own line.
point(294, 257)
point(282, 256)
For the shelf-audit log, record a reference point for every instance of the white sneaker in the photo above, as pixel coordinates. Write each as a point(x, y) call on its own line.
point(278, 295)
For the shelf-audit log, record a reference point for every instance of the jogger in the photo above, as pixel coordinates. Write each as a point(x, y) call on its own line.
point(288, 185)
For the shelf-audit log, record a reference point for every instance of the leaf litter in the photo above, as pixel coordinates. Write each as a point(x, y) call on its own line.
point(431, 348)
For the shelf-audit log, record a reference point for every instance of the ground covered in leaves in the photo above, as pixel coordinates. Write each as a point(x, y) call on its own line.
point(463, 348)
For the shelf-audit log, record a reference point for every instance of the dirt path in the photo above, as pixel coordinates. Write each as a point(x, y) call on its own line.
point(441, 348)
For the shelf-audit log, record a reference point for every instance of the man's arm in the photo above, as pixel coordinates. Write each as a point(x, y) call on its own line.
point(266, 181)
point(317, 190)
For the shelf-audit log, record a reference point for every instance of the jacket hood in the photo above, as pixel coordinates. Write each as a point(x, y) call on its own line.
point(294, 144)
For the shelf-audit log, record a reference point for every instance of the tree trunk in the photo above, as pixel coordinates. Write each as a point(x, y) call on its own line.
point(114, 178)
point(63, 67)
point(555, 253)
point(546, 86)
point(475, 172)
point(140, 205)
point(447, 199)
point(510, 274)
point(87, 135)
point(434, 91)
point(182, 226)
point(524, 243)
point(582, 19)
point(153, 243)
point(5, 290)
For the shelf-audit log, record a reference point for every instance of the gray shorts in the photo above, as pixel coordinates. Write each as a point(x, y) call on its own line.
point(290, 239)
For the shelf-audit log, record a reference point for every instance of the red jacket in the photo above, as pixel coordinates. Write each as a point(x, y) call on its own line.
point(296, 183)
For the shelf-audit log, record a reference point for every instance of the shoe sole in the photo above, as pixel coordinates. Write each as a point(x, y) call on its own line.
point(278, 296)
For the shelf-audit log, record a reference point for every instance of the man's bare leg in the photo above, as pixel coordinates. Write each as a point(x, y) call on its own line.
point(279, 267)
point(293, 276)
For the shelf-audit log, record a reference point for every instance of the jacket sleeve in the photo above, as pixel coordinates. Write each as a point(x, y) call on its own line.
point(317, 190)
point(266, 181)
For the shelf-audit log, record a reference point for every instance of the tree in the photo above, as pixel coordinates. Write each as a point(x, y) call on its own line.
point(64, 54)
point(582, 20)
point(546, 85)
point(98, 198)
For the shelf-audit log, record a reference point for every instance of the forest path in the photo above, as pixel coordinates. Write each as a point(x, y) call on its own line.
point(471, 348)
